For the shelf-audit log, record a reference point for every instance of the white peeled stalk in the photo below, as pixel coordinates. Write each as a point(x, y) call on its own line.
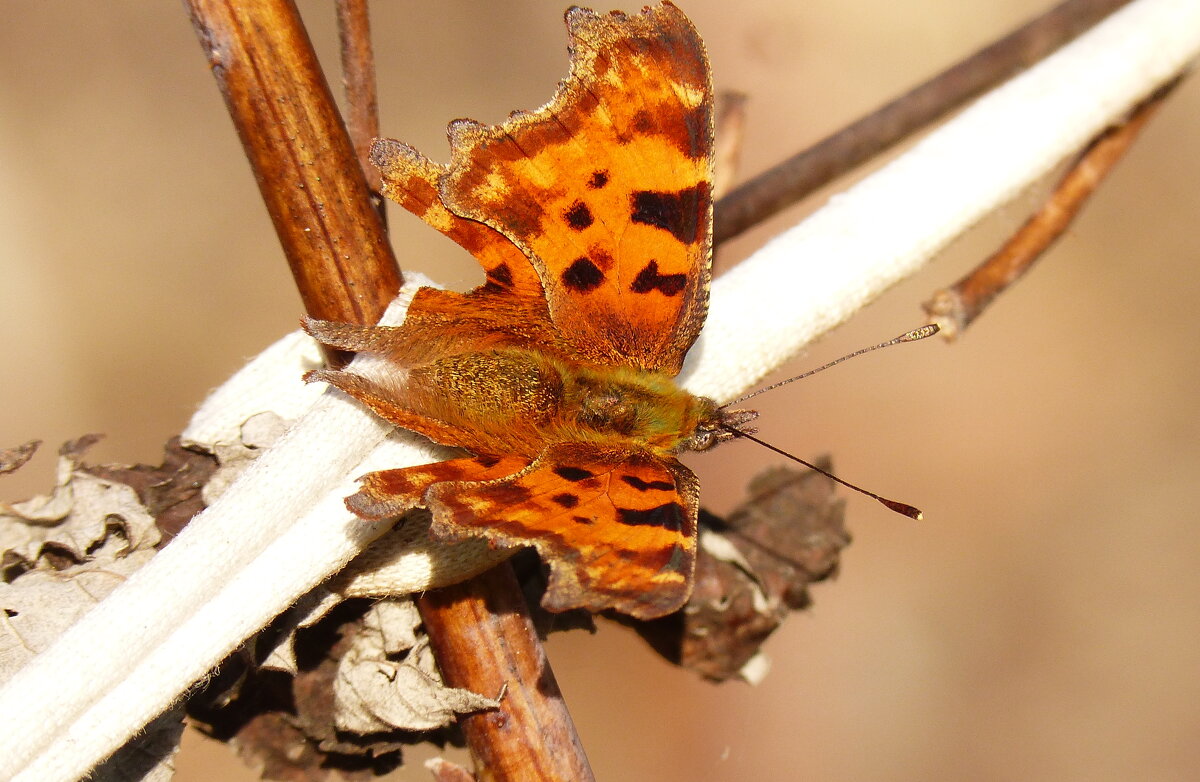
point(812, 277)
point(281, 528)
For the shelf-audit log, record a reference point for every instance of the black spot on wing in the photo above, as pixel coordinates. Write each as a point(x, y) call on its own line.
point(583, 520)
point(582, 275)
point(649, 279)
point(579, 216)
point(599, 179)
point(487, 461)
point(573, 474)
point(641, 485)
point(669, 516)
point(678, 213)
point(566, 500)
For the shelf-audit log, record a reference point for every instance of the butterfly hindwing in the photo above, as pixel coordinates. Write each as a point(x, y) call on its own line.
point(618, 530)
point(388, 493)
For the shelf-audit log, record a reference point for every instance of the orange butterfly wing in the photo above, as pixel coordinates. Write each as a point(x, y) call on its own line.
point(509, 307)
point(618, 530)
point(606, 189)
point(591, 218)
point(600, 200)
point(389, 493)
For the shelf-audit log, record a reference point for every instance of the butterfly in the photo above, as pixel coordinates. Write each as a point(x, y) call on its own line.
point(592, 218)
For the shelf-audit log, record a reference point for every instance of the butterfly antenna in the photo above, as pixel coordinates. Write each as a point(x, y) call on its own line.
point(911, 336)
point(898, 507)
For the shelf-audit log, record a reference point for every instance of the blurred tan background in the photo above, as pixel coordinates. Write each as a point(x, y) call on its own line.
point(1041, 624)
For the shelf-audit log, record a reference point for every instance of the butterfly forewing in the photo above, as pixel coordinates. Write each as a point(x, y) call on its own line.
point(607, 187)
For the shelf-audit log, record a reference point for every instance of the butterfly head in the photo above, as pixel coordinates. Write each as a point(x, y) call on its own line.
point(717, 424)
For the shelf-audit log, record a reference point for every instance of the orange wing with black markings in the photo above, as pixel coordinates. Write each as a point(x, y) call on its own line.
point(388, 493)
point(606, 189)
point(411, 180)
point(618, 530)
point(592, 220)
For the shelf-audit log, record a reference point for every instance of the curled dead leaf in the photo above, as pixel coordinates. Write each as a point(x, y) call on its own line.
point(11, 459)
point(40, 604)
point(82, 512)
point(375, 692)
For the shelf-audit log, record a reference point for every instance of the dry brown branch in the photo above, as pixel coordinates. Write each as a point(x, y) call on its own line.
point(731, 125)
point(786, 183)
point(955, 308)
point(531, 736)
point(306, 168)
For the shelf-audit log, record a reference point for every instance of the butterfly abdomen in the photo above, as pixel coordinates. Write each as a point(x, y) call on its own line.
point(505, 398)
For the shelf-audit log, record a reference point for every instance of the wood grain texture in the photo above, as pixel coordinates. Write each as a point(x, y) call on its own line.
point(306, 168)
point(531, 736)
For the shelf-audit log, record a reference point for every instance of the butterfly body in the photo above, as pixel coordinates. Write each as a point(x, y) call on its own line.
point(560, 401)
point(592, 220)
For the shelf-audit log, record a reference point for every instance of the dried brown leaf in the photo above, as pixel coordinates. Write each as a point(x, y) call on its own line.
point(171, 491)
point(377, 692)
point(11, 459)
point(39, 605)
point(753, 568)
point(365, 687)
point(307, 611)
point(282, 725)
point(274, 746)
point(77, 517)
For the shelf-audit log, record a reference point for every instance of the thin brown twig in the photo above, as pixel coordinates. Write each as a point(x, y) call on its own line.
point(358, 80)
point(316, 193)
point(798, 176)
point(955, 308)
